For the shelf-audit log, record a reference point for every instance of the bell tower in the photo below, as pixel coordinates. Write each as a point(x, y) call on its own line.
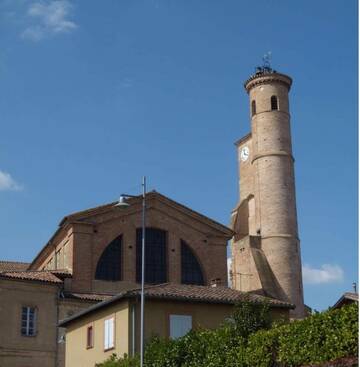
point(266, 248)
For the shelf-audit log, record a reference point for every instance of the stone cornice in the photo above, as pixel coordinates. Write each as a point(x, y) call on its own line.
point(267, 78)
point(273, 153)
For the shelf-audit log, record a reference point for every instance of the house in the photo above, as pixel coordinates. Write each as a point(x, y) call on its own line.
point(346, 299)
point(171, 310)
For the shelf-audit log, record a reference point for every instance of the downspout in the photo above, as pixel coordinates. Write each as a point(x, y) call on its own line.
point(57, 299)
point(133, 330)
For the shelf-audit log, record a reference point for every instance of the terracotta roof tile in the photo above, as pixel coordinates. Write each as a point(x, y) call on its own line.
point(186, 293)
point(88, 296)
point(13, 266)
point(62, 273)
point(199, 293)
point(42, 276)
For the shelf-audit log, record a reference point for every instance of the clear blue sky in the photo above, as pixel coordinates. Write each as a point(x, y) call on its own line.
point(95, 94)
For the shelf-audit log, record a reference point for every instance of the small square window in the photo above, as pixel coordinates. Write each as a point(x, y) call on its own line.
point(180, 325)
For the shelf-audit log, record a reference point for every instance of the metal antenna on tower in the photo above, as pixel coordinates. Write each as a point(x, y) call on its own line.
point(266, 65)
point(267, 60)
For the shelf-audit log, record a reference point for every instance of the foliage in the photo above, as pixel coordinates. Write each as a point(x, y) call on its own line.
point(247, 341)
point(114, 361)
point(249, 317)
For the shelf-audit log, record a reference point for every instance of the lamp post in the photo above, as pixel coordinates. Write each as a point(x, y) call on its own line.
point(121, 204)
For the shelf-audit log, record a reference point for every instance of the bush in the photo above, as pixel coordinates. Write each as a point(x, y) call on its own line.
point(114, 361)
point(244, 341)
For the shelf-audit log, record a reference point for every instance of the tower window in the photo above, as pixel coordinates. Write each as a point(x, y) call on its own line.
point(109, 264)
point(274, 103)
point(253, 108)
point(191, 272)
point(155, 256)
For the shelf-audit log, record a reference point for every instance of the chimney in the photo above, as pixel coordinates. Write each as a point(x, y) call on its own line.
point(215, 282)
point(354, 287)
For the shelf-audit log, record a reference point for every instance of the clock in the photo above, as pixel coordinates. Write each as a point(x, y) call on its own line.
point(244, 154)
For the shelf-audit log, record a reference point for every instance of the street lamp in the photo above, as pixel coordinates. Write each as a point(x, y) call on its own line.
point(123, 204)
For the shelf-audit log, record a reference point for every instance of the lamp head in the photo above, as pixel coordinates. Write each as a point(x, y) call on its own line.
point(122, 202)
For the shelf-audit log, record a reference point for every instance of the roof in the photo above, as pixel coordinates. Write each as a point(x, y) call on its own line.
point(185, 293)
point(87, 296)
point(241, 140)
point(13, 266)
point(152, 194)
point(347, 297)
point(42, 276)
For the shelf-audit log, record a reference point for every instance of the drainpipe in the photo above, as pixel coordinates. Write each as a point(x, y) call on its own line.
point(57, 299)
point(133, 330)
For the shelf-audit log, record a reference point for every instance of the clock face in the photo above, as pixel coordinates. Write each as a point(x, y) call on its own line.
point(245, 152)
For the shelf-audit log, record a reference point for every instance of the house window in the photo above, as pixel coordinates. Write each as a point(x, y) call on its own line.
point(109, 334)
point(274, 103)
point(109, 264)
point(253, 108)
point(28, 321)
point(180, 325)
point(90, 337)
point(191, 272)
point(155, 256)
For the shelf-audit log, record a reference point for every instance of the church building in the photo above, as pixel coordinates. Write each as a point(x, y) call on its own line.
point(96, 253)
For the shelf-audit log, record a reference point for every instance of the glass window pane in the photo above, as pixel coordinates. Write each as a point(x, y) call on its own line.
point(155, 256)
point(191, 272)
point(109, 264)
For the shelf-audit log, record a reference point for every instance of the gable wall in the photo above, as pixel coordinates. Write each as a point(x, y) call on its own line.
point(90, 240)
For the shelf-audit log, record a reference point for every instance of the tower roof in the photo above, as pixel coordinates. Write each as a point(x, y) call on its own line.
point(266, 75)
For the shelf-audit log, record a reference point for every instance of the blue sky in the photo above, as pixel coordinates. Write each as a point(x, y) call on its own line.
point(93, 95)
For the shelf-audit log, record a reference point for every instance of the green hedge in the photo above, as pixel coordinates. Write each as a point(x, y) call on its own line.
point(321, 337)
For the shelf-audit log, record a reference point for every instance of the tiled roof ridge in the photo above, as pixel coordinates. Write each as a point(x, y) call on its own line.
point(88, 296)
point(16, 262)
point(351, 294)
point(172, 291)
point(228, 294)
point(30, 271)
point(48, 277)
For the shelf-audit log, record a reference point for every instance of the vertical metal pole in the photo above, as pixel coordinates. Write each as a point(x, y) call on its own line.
point(142, 276)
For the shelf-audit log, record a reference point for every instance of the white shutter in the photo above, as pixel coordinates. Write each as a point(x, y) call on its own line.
point(111, 333)
point(106, 334)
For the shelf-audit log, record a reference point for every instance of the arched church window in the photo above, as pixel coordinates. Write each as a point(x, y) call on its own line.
point(191, 272)
point(253, 108)
point(274, 103)
point(155, 256)
point(109, 264)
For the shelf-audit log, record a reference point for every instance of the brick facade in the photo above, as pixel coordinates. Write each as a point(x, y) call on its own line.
point(87, 234)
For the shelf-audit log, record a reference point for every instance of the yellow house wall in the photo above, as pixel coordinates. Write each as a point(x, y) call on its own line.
point(204, 315)
point(157, 312)
point(17, 350)
point(77, 354)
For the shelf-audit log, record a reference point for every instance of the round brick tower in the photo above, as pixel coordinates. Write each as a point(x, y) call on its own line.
point(274, 183)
